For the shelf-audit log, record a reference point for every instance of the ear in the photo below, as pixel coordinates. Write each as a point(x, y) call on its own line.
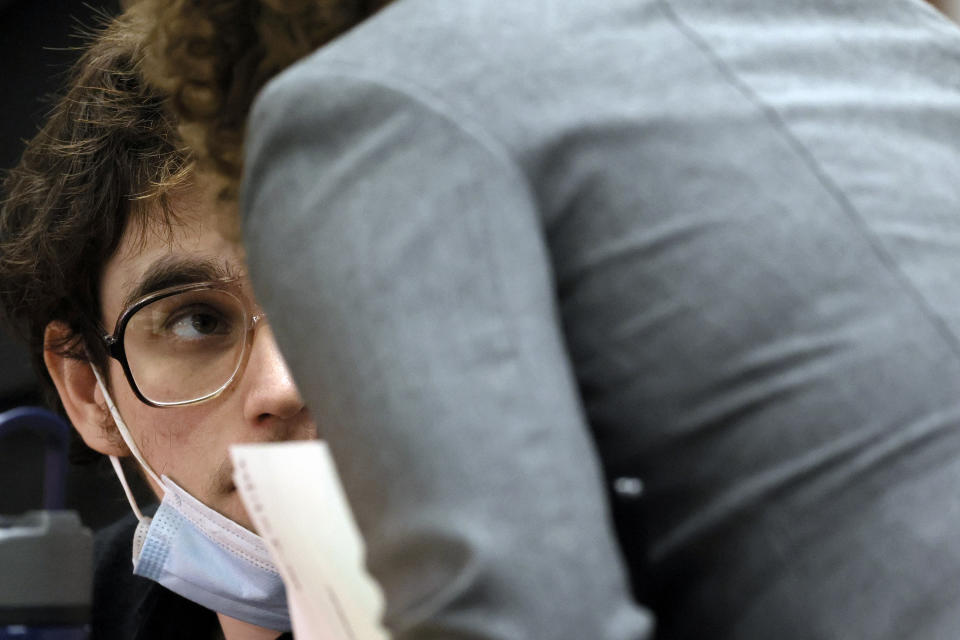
point(80, 395)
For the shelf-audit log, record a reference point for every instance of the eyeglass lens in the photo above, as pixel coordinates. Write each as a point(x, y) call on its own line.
point(185, 346)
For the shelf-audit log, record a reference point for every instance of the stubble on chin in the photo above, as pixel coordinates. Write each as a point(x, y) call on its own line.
point(221, 481)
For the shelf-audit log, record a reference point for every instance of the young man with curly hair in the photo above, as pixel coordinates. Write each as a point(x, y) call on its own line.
point(136, 305)
point(695, 262)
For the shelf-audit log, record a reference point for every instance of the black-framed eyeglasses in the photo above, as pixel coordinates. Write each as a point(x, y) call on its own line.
point(185, 344)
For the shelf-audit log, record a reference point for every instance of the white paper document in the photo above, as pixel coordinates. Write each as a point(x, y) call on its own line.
point(294, 498)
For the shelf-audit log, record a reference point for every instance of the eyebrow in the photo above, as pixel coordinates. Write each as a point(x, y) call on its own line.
point(171, 271)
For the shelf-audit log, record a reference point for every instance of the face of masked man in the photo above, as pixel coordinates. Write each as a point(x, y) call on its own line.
point(194, 369)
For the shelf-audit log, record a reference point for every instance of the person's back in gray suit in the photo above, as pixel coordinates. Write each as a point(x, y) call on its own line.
point(519, 254)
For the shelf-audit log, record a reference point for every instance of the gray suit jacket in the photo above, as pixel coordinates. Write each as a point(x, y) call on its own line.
point(519, 254)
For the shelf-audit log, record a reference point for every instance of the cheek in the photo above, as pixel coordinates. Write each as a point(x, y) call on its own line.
point(163, 432)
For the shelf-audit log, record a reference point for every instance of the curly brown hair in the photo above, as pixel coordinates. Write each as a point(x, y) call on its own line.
point(213, 56)
point(108, 156)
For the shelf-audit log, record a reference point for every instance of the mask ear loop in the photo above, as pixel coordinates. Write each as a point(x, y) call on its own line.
point(128, 439)
point(126, 488)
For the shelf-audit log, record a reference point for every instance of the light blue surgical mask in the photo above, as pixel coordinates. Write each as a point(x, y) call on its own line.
point(200, 554)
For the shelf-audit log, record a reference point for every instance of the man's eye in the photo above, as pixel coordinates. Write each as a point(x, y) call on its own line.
point(197, 323)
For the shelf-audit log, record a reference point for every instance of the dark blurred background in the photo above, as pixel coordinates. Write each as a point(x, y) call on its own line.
point(39, 39)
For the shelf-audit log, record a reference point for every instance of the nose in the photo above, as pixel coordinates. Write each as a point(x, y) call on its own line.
point(269, 391)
